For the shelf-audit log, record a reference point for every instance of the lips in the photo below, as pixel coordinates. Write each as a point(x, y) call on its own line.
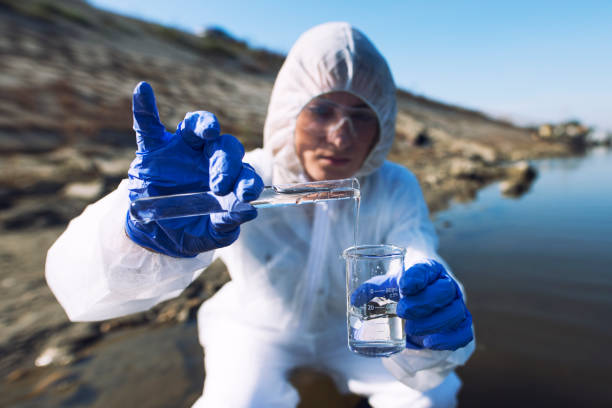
point(334, 160)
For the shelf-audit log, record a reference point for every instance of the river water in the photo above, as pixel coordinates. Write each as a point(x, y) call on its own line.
point(538, 275)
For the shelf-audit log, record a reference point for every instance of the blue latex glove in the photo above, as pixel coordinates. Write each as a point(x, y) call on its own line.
point(195, 158)
point(429, 300)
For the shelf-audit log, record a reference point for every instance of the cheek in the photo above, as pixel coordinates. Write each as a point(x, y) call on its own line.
point(304, 145)
point(363, 148)
point(309, 162)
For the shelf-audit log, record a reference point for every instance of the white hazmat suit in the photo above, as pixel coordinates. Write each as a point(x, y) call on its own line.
point(285, 305)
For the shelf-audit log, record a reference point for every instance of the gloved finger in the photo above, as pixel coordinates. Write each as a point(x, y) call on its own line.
point(223, 238)
point(194, 229)
point(150, 132)
point(377, 286)
point(452, 339)
point(228, 221)
point(414, 342)
point(424, 303)
point(225, 163)
point(249, 185)
point(198, 128)
point(420, 275)
point(441, 320)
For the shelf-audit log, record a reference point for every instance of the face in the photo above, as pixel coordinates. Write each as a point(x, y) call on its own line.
point(334, 134)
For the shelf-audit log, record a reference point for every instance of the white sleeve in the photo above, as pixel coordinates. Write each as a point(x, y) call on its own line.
point(412, 229)
point(97, 272)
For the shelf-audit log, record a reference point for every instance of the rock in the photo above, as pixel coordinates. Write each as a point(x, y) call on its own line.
point(572, 132)
point(422, 139)
point(520, 177)
point(29, 141)
point(54, 379)
point(88, 191)
point(35, 213)
point(71, 159)
point(114, 168)
point(475, 170)
point(468, 169)
point(463, 168)
point(45, 173)
point(432, 179)
point(517, 156)
point(512, 189)
point(112, 137)
point(439, 135)
point(18, 374)
point(36, 218)
point(477, 151)
point(183, 315)
point(55, 356)
point(62, 346)
point(168, 313)
point(7, 197)
point(189, 310)
point(521, 170)
point(133, 320)
point(7, 283)
point(465, 191)
point(545, 131)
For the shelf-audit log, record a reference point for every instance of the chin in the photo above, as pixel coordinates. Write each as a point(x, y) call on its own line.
point(331, 174)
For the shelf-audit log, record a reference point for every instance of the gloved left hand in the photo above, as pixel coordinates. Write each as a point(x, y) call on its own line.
point(429, 300)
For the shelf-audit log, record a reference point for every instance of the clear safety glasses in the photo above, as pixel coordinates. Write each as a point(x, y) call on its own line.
point(324, 118)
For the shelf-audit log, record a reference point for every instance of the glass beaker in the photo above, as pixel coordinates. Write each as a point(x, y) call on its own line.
point(374, 329)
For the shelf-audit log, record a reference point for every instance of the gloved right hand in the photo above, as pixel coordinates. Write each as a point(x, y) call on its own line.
point(430, 302)
point(195, 158)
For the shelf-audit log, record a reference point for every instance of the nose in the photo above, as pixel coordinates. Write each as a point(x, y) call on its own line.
point(341, 134)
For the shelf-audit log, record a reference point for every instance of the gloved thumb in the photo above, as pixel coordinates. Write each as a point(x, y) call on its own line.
point(150, 132)
point(378, 286)
point(199, 127)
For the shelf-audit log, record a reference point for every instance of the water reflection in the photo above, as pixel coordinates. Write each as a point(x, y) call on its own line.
point(538, 275)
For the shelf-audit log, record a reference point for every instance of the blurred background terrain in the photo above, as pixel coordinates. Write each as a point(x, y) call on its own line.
point(67, 71)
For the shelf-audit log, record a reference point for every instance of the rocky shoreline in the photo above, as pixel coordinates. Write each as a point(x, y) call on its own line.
point(33, 221)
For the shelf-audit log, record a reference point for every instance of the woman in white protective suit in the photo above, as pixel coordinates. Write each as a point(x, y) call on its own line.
point(331, 115)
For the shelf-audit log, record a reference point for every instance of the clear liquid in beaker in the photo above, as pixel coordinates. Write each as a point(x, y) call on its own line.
point(375, 330)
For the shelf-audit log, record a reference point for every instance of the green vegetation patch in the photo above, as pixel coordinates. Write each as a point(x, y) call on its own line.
point(50, 11)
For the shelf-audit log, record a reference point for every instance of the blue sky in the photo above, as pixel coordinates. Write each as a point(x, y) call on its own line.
point(529, 61)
